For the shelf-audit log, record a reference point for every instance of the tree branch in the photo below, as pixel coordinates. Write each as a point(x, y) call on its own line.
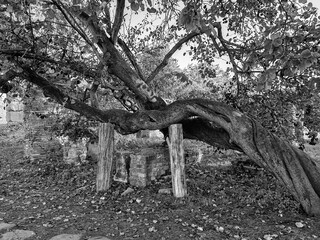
point(131, 58)
point(220, 37)
point(82, 69)
point(215, 44)
point(126, 122)
point(117, 65)
point(75, 66)
point(52, 91)
point(117, 20)
point(70, 19)
point(170, 53)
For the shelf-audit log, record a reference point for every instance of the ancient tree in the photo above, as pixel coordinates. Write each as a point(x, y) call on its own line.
point(81, 53)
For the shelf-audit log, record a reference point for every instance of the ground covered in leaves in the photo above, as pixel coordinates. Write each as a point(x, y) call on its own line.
point(233, 202)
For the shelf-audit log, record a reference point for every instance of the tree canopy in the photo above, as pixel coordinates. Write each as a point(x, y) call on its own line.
point(83, 53)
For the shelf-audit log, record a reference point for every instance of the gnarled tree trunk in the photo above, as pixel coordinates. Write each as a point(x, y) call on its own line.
point(293, 167)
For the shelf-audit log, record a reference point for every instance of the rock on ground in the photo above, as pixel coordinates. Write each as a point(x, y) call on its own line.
point(67, 237)
point(99, 238)
point(17, 235)
point(6, 226)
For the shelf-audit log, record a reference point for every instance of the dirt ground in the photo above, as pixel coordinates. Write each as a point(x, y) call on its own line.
point(230, 202)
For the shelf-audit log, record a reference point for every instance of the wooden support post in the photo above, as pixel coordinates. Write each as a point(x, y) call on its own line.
point(105, 160)
point(175, 143)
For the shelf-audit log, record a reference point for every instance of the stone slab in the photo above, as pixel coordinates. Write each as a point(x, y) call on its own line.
point(15, 117)
point(99, 238)
point(6, 226)
point(165, 191)
point(67, 237)
point(18, 235)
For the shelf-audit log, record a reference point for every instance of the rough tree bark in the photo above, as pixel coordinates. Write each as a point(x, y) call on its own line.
point(105, 161)
point(177, 161)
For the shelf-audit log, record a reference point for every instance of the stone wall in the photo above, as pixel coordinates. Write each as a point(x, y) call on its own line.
point(149, 134)
point(75, 152)
point(39, 141)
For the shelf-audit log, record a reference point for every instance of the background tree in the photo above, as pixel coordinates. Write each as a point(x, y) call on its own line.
point(79, 51)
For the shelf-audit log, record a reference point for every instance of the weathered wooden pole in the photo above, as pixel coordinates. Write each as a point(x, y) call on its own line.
point(105, 160)
point(175, 143)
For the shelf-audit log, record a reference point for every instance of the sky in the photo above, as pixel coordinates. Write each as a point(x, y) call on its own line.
point(316, 3)
point(184, 61)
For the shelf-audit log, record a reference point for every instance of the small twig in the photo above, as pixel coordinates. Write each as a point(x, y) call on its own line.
point(220, 37)
point(31, 28)
point(107, 19)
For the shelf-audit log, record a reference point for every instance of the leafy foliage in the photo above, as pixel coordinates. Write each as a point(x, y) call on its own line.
point(74, 127)
point(198, 81)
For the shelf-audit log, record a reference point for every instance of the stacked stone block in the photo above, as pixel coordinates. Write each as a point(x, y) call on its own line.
point(75, 152)
point(138, 174)
point(122, 166)
point(139, 168)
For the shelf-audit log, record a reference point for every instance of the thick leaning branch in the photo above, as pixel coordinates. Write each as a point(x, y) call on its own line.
point(61, 97)
point(75, 66)
point(126, 123)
